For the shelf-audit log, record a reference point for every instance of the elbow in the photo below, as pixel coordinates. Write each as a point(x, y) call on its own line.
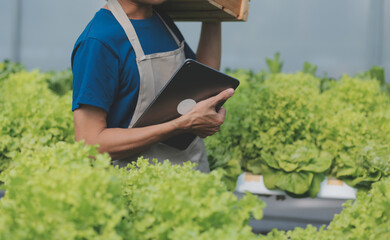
point(87, 140)
point(103, 148)
point(94, 141)
point(212, 63)
point(215, 65)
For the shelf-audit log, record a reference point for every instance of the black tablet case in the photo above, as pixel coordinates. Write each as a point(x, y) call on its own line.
point(194, 81)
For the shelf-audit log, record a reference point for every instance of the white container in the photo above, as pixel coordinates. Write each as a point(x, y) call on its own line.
point(336, 189)
point(248, 182)
point(331, 188)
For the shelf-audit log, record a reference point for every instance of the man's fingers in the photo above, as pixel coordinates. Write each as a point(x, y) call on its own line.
point(222, 96)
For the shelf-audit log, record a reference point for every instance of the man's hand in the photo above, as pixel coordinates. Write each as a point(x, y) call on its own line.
point(204, 120)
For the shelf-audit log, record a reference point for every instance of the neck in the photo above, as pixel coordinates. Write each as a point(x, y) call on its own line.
point(136, 10)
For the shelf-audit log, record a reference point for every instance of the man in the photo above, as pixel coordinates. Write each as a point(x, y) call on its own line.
point(119, 66)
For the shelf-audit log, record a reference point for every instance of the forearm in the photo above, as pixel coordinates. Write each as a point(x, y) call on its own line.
point(209, 48)
point(119, 142)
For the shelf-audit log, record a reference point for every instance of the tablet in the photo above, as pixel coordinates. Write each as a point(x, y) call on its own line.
point(193, 82)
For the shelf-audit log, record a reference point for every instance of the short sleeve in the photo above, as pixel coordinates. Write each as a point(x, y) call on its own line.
point(95, 70)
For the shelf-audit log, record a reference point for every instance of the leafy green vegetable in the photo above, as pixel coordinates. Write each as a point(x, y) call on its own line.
point(31, 115)
point(174, 202)
point(7, 68)
point(61, 193)
point(309, 68)
point(376, 72)
point(274, 65)
point(273, 133)
point(297, 128)
point(354, 114)
point(60, 82)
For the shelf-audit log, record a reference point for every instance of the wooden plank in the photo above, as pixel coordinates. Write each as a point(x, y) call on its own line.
point(232, 5)
point(227, 10)
point(183, 6)
point(244, 13)
point(203, 16)
point(206, 10)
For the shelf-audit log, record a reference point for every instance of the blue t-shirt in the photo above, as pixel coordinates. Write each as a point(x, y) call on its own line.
point(105, 72)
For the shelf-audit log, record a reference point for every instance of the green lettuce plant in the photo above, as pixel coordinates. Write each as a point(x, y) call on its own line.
point(309, 68)
point(60, 192)
point(176, 202)
point(7, 68)
point(69, 191)
point(296, 128)
point(274, 65)
point(60, 82)
point(354, 118)
point(31, 115)
point(270, 130)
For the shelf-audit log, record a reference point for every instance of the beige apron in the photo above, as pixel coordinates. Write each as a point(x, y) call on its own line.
point(155, 70)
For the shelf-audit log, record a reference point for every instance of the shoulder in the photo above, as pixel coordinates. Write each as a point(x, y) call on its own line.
point(105, 29)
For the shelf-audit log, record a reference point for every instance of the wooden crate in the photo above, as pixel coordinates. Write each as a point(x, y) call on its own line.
point(206, 10)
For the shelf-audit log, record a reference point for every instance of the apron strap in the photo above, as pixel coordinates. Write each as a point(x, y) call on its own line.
point(124, 21)
point(169, 29)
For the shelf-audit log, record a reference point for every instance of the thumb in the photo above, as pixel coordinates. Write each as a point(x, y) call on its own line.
point(222, 96)
point(222, 112)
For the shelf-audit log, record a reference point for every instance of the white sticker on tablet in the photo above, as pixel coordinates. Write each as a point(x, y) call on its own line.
point(185, 106)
